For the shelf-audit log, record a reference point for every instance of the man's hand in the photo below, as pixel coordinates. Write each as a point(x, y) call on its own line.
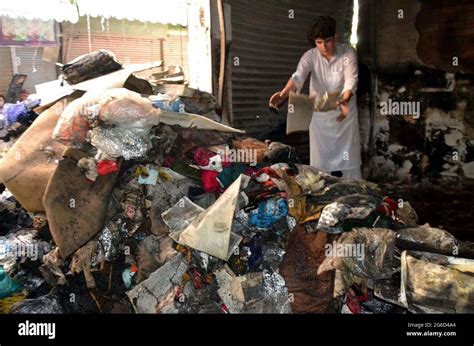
point(277, 99)
point(344, 105)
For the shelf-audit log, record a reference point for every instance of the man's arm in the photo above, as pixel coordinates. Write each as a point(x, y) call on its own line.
point(351, 75)
point(280, 96)
point(296, 81)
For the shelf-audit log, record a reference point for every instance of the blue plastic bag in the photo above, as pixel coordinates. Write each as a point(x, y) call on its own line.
point(174, 106)
point(14, 112)
point(268, 212)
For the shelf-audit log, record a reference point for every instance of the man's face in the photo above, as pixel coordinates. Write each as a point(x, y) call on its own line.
point(2, 101)
point(326, 45)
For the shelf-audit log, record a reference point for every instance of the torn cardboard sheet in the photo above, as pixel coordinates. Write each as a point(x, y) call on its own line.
point(300, 112)
point(301, 108)
point(210, 231)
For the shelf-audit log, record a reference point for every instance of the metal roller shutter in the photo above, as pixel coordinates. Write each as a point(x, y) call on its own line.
point(6, 70)
point(176, 52)
point(131, 50)
point(31, 64)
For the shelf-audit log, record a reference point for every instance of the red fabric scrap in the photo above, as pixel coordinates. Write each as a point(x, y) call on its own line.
point(202, 156)
point(105, 167)
point(209, 181)
point(388, 207)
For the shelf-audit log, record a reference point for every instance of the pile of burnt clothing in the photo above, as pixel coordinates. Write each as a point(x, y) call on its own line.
point(116, 201)
point(384, 261)
point(171, 244)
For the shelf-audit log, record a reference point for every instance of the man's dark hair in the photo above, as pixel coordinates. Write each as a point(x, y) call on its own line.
point(324, 27)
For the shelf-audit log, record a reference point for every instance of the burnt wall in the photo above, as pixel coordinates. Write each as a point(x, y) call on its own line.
point(416, 103)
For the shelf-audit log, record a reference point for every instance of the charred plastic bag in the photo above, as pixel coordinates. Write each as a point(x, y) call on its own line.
point(48, 304)
point(19, 246)
point(181, 215)
point(90, 66)
point(364, 252)
point(338, 216)
point(426, 238)
point(118, 108)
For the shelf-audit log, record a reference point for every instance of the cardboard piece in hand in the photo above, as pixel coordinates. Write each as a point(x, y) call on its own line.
point(300, 111)
point(328, 102)
point(301, 108)
point(210, 231)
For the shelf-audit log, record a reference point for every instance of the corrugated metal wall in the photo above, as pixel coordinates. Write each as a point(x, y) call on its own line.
point(175, 49)
point(268, 44)
point(132, 50)
point(6, 71)
point(37, 70)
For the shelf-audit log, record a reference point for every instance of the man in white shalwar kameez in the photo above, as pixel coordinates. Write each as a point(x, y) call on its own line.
point(334, 134)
